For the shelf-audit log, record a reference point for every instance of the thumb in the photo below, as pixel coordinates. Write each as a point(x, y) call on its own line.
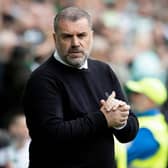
point(102, 102)
point(113, 95)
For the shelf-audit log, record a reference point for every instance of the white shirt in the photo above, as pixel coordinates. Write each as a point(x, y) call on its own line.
point(21, 156)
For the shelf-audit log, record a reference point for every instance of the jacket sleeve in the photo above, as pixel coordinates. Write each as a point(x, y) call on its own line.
point(129, 132)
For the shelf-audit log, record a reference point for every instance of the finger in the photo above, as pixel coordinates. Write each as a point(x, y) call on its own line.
point(122, 120)
point(113, 95)
point(122, 103)
point(115, 107)
point(104, 105)
point(125, 115)
point(111, 101)
point(117, 104)
point(102, 102)
point(125, 108)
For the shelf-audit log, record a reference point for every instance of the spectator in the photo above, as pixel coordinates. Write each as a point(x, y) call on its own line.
point(150, 148)
point(5, 150)
point(20, 139)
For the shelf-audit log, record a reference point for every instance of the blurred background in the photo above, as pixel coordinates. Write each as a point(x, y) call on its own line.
point(130, 35)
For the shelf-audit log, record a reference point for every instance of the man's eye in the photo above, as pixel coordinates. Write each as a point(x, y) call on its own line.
point(67, 36)
point(82, 35)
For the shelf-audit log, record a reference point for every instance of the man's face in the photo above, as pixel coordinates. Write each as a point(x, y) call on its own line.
point(73, 41)
point(140, 102)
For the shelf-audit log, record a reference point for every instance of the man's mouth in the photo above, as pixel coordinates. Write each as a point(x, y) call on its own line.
point(75, 54)
point(74, 51)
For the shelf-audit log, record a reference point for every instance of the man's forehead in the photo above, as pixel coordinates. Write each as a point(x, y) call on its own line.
point(78, 25)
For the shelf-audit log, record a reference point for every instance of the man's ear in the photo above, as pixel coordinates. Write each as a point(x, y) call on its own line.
point(54, 37)
point(92, 32)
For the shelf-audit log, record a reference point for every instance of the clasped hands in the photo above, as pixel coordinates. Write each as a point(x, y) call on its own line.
point(115, 111)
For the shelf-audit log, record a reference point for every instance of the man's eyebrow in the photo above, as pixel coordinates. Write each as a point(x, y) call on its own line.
point(82, 33)
point(69, 34)
point(66, 34)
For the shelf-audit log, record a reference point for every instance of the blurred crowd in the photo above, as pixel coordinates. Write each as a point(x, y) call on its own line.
point(130, 35)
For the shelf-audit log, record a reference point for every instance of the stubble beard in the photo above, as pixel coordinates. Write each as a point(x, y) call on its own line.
point(76, 62)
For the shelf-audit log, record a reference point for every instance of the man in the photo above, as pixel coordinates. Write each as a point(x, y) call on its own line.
point(71, 123)
point(120, 154)
point(150, 147)
point(5, 150)
point(16, 126)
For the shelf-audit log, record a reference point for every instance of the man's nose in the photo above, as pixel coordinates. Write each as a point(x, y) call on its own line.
point(75, 41)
